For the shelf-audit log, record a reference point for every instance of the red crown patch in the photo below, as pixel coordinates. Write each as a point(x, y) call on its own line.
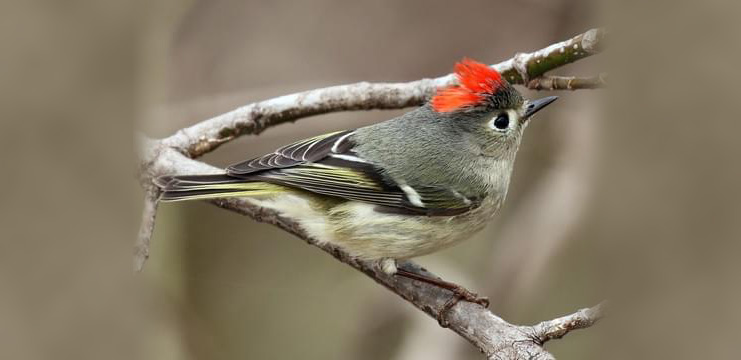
point(475, 82)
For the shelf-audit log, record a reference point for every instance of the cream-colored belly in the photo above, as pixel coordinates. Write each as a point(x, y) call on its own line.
point(364, 233)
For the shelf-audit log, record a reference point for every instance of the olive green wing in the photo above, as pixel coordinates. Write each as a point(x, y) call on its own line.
point(328, 165)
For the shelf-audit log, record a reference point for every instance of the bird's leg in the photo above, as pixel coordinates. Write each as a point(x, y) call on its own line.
point(459, 292)
point(388, 266)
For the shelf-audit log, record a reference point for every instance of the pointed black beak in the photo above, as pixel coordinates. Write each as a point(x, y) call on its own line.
point(535, 105)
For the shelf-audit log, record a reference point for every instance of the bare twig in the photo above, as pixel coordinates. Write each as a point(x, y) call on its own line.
point(254, 118)
point(558, 328)
point(495, 337)
point(149, 213)
point(567, 82)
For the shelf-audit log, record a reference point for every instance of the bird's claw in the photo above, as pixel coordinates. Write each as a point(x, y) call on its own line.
point(459, 293)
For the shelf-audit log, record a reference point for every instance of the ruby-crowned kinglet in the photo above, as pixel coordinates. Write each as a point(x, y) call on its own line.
point(395, 190)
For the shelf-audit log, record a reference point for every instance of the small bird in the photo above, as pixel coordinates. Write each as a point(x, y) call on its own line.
point(398, 189)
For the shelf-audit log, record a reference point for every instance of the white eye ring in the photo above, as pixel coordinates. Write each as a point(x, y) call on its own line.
point(503, 121)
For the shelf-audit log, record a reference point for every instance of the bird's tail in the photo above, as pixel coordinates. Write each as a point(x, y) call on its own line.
point(198, 187)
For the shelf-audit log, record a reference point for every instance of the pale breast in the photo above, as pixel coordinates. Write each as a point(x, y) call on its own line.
point(368, 234)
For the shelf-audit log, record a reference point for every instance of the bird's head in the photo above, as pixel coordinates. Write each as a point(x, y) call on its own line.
point(487, 107)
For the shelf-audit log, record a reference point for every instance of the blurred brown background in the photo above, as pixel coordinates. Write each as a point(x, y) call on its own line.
point(629, 194)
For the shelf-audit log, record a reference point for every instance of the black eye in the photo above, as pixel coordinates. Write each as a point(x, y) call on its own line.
point(502, 121)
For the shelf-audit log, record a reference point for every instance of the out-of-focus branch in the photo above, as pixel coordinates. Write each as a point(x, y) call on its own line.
point(556, 202)
point(495, 337)
point(206, 136)
point(567, 82)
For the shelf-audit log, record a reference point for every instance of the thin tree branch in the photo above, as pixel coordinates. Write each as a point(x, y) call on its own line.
point(567, 82)
point(206, 136)
point(149, 213)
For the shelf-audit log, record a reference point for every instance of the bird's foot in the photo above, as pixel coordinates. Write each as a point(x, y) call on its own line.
point(462, 293)
point(459, 293)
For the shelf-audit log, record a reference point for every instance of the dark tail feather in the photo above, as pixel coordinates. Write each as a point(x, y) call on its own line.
point(192, 187)
point(174, 183)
